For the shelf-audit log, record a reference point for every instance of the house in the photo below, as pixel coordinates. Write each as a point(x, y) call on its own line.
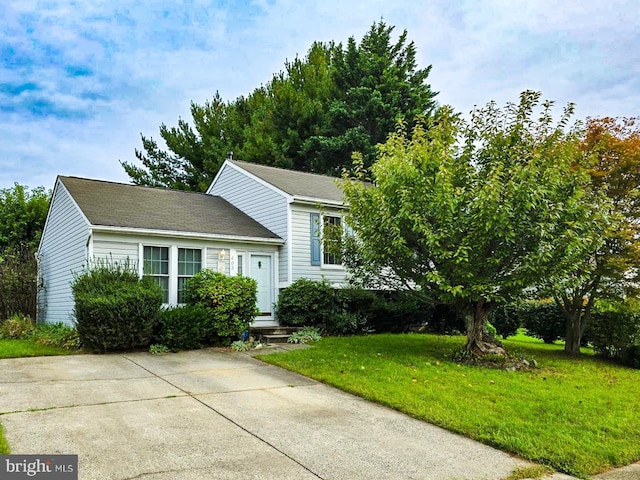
point(254, 220)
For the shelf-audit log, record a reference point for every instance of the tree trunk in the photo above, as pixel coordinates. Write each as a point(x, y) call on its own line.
point(573, 335)
point(478, 341)
point(577, 312)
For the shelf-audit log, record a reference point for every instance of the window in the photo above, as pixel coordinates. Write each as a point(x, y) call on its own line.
point(240, 265)
point(331, 240)
point(189, 263)
point(156, 266)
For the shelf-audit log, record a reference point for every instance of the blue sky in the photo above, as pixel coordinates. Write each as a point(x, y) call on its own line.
point(80, 80)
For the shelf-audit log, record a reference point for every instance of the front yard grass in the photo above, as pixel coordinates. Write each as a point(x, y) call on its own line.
point(11, 348)
point(577, 415)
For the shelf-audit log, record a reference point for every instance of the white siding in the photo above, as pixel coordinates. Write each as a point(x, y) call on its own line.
point(62, 252)
point(110, 247)
point(260, 202)
point(120, 246)
point(301, 248)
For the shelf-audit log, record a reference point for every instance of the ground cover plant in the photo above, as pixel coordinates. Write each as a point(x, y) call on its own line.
point(20, 337)
point(577, 415)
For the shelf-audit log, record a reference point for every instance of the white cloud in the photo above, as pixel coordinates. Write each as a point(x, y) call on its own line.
point(82, 79)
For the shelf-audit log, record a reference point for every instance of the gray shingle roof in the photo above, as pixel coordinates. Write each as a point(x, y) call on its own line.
point(133, 206)
point(298, 184)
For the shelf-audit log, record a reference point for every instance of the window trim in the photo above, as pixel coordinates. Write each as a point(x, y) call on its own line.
point(183, 276)
point(158, 275)
point(324, 254)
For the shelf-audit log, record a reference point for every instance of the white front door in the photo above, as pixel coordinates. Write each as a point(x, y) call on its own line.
point(262, 272)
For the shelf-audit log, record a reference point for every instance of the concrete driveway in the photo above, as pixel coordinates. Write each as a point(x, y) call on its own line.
point(213, 414)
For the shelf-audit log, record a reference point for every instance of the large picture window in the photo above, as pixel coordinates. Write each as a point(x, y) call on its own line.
point(156, 266)
point(189, 263)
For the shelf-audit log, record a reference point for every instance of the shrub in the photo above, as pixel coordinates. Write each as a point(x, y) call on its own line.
point(230, 302)
point(445, 319)
point(396, 311)
point(183, 328)
point(543, 320)
point(506, 319)
point(306, 302)
point(18, 281)
point(614, 329)
point(57, 335)
point(491, 330)
point(114, 309)
point(631, 356)
point(157, 348)
point(16, 327)
point(305, 335)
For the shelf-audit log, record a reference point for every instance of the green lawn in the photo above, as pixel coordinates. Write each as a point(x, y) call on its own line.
point(579, 416)
point(29, 348)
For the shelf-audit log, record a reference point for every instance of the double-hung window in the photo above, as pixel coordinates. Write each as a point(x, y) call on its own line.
point(156, 266)
point(332, 240)
point(189, 263)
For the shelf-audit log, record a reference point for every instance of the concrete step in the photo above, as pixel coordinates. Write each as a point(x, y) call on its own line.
point(276, 338)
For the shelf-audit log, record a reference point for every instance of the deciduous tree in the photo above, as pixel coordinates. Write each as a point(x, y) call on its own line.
point(613, 148)
point(474, 213)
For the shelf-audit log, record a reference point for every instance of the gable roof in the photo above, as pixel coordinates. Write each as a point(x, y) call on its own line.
point(300, 185)
point(133, 206)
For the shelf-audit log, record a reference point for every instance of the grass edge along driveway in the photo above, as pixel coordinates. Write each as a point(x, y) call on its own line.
point(577, 415)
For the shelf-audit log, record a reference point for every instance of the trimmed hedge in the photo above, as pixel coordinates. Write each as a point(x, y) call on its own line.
point(114, 309)
point(229, 301)
point(183, 328)
point(614, 331)
point(306, 302)
point(506, 319)
point(543, 320)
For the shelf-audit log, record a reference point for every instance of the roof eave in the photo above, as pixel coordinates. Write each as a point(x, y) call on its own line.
point(316, 201)
point(192, 235)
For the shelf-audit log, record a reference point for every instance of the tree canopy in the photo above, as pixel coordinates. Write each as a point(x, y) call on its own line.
point(612, 148)
point(474, 213)
point(22, 216)
point(311, 116)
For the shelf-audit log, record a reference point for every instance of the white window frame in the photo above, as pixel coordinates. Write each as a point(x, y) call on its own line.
point(177, 270)
point(158, 275)
point(323, 253)
point(173, 254)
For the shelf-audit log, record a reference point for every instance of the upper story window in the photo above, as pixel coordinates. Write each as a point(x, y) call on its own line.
point(156, 266)
point(189, 263)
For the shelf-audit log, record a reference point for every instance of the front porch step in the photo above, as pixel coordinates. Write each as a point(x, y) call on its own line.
point(271, 339)
point(272, 334)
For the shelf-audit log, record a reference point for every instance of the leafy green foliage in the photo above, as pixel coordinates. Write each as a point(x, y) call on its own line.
point(22, 217)
point(56, 335)
point(543, 320)
point(157, 348)
point(311, 116)
point(615, 328)
point(114, 309)
point(17, 326)
point(183, 328)
point(305, 335)
point(613, 147)
point(473, 213)
point(506, 319)
point(230, 303)
point(306, 302)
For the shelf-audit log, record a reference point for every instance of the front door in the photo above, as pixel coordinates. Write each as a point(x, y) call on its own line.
point(262, 273)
